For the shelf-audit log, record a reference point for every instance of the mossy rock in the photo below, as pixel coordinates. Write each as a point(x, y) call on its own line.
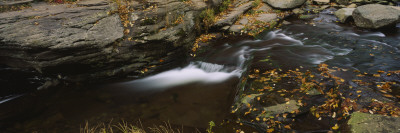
point(373, 123)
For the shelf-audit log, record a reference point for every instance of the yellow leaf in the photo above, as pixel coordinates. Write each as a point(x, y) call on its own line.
point(336, 127)
point(270, 130)
point(287, 126)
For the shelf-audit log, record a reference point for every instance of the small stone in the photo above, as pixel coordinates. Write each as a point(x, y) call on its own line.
point(286, 22)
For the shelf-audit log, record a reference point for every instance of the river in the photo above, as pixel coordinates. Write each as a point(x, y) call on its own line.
point(204, 89)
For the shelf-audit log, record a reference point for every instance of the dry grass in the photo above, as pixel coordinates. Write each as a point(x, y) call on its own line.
point(124, 127)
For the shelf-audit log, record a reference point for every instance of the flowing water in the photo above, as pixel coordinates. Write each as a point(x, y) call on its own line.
point(203, 90)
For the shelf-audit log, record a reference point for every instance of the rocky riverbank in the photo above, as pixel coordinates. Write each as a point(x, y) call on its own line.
point(99, 39)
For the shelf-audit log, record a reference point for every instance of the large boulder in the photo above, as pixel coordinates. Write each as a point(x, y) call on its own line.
point(375, 16)
point(285, 4)
point(344, 14)
point(95, 39)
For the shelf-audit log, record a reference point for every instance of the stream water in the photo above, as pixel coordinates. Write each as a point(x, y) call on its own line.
point(204, 90)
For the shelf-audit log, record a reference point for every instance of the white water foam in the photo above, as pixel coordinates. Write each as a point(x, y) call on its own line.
point(199, 72)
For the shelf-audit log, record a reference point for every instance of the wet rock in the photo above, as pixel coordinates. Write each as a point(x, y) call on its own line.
point(303, 16)
point(266, 17)
point(285, 4)
point(344, 14)
point(249, 98)
point(236, 28)
point(373, 123)
point(289, 106)
point(313, 92)
point(375, 16)
point(232, 16)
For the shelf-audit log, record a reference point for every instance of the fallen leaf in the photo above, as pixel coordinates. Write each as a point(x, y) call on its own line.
point(336, 127)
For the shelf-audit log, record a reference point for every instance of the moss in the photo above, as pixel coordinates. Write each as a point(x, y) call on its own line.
point(225, 5)
point(208, 17)
point(256, 3)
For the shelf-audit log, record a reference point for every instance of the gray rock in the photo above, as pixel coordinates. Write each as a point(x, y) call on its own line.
point(285, 4)
point(375, 16)
point(369, 123)
point(298, 11)
point(243, 21)
point(266, 17)
point(265, 8)
point(286, 22)
point(352, 6)
point(232, 16)
point(396, 7)
point(14, 2)
point(322, 1)
point(289, 106)
point(87, 41)
point(344, 14)
point(236, 28)
point(343, 2)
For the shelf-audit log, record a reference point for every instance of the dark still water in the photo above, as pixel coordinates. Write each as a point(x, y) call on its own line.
point(189, 97)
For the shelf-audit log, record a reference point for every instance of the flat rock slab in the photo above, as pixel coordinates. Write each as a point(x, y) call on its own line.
point(232, 16)
point(236, 28)
point(244, 21)
point(285, 4)
point(93, 3)
point(47, 30)
point(344, 13)
point(14, 2)
point(265, 8)
point(322, 1)
point(289, 106)
point(373, 123)
point(375, 16)
point(266, 17)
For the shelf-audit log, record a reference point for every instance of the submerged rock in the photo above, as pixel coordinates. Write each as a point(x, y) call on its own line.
point(373, 123)
point(285, 4)
point(344, 14)
point(375, 16)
